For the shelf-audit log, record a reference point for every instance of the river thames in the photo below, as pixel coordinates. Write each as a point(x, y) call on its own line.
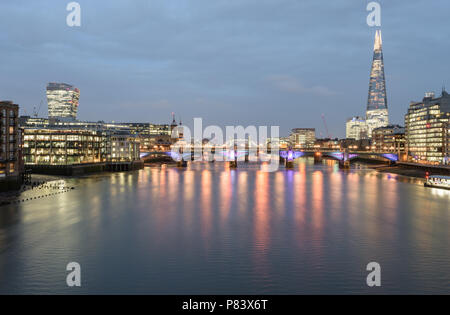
point(209, 229)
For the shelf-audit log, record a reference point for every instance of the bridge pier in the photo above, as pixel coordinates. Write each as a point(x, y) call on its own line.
point(213, 154)
point(247, 153)
point(289, 164)
point(344, 165)
point(181, 163)
point(290, 159)
point(317, 158)
point(233, 162)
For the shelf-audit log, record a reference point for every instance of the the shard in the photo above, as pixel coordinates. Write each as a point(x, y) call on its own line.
point(377, 110)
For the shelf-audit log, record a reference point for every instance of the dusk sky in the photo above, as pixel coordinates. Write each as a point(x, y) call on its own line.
point(247, 62)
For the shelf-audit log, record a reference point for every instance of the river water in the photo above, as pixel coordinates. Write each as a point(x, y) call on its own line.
point(211, 230)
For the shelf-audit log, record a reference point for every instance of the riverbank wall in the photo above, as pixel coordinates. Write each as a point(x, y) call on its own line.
point(413, 169)
point(83, 169)
point(11, 183)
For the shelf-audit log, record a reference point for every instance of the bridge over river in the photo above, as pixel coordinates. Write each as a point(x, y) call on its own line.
point(286, 157)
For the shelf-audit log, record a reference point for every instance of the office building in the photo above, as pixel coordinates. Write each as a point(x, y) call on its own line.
point(427, 124)
point(303, 137)
point(377, 110)
point(123, 147)
point(389, 139)
point(356, 128)
point(63, 146)
point(62, 101)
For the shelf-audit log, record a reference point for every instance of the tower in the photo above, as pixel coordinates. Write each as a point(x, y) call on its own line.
point(62, 101)
point(377, 110)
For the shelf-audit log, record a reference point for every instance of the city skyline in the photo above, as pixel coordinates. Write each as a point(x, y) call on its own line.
point(129, 78)
point(224, 155)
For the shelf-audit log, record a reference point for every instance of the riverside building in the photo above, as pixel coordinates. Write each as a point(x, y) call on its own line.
point(427, 129)
point(11, 166)
point(389, 139)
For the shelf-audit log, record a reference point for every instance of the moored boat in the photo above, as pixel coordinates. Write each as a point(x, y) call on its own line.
point(438, 182)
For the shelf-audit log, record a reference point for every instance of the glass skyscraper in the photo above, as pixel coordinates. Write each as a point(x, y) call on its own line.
point(377, 110)
point(62, 101)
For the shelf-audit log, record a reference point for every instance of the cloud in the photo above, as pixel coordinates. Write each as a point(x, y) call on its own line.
point(291, 84)
point(222, 60)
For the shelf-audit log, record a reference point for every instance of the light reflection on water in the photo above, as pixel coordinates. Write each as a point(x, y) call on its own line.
point(211, 229)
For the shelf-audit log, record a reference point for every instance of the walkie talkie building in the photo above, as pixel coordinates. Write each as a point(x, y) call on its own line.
point(377, 110)
point(62, 101)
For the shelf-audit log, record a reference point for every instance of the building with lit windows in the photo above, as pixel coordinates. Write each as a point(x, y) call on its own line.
point(389, 139)
point(62, 101)
point(427, 129)
point(377, 110)
point(62, 146)
point(327, 144)
point(446, 160)
point(355, 145)
point(356, 128)
point(123, 147)
point(142, 129)
point(10, 141)
point(303, 137)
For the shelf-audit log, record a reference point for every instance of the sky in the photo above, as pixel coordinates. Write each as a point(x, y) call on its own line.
point(231, 62)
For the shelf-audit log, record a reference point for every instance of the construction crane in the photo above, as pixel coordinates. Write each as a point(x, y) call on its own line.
point(36, 112)
point(326, 127)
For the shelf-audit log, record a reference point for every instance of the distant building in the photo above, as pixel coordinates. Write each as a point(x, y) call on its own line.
point(62, 101)
point(377, 111)
point(303, 137)
point(327, 144)
point(10, 141)
point(356, 128)
point(427, 129)
point(160, 143)
point(280, 143)
point(352, 145)
point(389, 139)
point(28, 121)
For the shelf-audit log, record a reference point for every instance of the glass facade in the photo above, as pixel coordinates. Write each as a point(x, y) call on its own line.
point(377, 111)
point(356, 128)
point(427, 125)
point(62, 101)
point(64, 146)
